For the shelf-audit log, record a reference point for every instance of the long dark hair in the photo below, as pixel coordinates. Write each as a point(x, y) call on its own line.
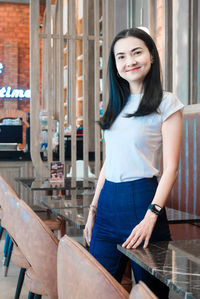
point(119, 89)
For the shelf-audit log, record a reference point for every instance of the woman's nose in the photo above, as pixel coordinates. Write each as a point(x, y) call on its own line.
point(130, 60)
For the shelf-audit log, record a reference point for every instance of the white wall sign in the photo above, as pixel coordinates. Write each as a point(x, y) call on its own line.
point(9, 93)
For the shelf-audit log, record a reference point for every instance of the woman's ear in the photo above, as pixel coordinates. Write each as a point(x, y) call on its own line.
point(152, 59)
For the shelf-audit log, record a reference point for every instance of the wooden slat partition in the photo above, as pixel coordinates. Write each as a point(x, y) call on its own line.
point(53, 43)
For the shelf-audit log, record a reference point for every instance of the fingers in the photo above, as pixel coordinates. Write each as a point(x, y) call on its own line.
point(146, 243)
point(87, 236)
point(128, 240)
point(135, 239)
point(133, 242)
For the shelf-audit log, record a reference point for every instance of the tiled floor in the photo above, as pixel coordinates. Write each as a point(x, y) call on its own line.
point(8, 284)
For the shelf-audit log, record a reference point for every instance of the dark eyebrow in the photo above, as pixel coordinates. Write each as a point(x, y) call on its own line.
point(121, 53)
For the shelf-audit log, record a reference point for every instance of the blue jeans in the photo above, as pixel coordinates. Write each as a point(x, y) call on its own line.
point(121, 206)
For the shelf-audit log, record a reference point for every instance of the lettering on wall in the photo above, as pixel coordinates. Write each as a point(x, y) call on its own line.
point(9, 93)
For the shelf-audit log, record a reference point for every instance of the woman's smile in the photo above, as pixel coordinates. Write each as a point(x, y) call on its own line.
point(133, 69)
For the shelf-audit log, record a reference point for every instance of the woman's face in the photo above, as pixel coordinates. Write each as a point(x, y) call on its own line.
point(133, 61)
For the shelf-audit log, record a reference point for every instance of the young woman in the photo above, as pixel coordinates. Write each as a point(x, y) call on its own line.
point(140, 122)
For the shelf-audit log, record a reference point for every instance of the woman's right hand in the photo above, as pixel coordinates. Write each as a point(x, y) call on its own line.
point(89, 226)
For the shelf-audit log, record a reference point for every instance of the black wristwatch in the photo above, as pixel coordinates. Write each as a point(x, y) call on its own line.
point(156, 209)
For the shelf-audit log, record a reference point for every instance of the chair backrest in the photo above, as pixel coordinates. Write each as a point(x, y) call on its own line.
point(81, 276)
point(8, 204)
point(39, 245)
point(185, 195)
point(141, 291)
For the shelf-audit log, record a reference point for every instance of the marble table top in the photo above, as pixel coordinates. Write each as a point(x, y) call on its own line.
point(44, 184)
point(176, 263)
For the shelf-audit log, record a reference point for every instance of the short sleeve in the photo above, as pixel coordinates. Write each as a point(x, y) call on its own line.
point(169, 105)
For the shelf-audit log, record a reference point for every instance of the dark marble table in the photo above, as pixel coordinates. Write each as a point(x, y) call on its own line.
point(73, 207)
point(176, 263)
point(176, 216)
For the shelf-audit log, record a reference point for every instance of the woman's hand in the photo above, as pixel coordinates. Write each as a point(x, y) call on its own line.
point(142, 231)
point(89, 226)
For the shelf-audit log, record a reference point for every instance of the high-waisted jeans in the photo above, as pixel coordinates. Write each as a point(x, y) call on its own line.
point(121, 206)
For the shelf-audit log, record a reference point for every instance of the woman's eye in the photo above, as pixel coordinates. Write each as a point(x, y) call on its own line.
point(120, 57)
point(137, 53)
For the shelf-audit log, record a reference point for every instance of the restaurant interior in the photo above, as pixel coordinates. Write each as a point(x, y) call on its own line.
point(53, 91)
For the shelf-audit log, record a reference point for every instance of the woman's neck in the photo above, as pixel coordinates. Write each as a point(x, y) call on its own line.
point(136, 88)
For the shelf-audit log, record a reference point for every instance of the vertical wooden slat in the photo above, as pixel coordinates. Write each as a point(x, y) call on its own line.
point(97, 87)
point(193, 50)
point(48, 76)
point(44, 65)
point(72, 80)
point(85, 88)
point(108, 35)
point(167, 45)
point(41, 170)
point(55, 66)
point(61, 80)
point(151, 17)
point(104, 63)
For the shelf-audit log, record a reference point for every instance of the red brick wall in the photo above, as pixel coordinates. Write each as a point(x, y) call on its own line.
point(14, 29)
point(14, 55)
point(14, 48)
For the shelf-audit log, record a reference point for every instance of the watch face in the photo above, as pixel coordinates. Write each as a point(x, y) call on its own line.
point(158, 208)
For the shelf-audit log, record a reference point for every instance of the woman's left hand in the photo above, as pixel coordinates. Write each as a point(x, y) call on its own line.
point(142, 231)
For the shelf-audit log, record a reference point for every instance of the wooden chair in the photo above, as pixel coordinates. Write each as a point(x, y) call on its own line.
point(39, 246)
point(184, 195)
point(81, 276)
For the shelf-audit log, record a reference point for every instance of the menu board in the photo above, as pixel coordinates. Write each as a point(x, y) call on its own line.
point(56, 172)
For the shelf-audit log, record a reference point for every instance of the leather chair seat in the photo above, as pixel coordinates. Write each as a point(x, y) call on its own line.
point(33, 284)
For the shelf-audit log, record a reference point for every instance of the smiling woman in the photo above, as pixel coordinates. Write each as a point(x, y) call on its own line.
point(140, 123)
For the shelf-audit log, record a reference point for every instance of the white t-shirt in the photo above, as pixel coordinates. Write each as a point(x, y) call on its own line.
point(134, 144)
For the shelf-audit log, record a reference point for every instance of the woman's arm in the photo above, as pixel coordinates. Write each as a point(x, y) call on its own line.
point(99, 186)
point(92, 212)
point(171, 133)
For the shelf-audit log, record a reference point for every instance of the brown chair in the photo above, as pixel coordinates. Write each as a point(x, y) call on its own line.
point(81, 276)
point(9, 200)
point(39, 246)
point(10, 220)
point(141, 291)
point(57, 224)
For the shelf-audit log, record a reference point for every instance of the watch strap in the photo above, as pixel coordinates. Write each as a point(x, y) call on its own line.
point(156, 209)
